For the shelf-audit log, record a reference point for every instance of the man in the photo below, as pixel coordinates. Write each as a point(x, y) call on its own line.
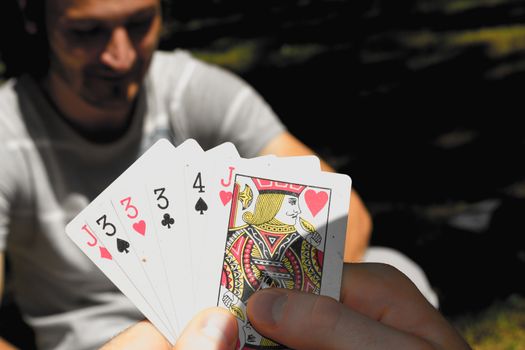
point(69, 129)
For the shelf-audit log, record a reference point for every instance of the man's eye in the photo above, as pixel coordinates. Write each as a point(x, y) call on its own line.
point(86, 32)
point(139, 26)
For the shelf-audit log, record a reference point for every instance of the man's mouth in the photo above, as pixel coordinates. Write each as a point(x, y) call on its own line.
point(112, 78)
point(108, 75)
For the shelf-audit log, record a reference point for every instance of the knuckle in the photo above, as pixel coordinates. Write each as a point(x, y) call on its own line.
point(386, 269)
point(391, 276)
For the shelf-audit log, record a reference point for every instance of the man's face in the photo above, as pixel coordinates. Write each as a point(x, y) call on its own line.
point(102, 48)
point(289, 210)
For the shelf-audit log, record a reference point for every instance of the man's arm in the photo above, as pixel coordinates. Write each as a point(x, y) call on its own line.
point(359, 221)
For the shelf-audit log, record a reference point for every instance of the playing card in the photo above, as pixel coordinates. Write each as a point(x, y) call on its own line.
point(183, 229)
point(129, 199)
point(82, 234)
point(196, 209)
point(124, 201)
point(128, 255)
point(298, 163)
point(214, 244)
point(167, 203)
point(285, 229)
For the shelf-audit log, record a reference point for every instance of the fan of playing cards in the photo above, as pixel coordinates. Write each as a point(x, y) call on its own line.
point(183, 229)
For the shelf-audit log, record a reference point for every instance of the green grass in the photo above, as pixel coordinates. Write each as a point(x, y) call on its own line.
point(237, 55)
point(242, 55)
point(499, 41)
point(500, 327)
point(420, 49)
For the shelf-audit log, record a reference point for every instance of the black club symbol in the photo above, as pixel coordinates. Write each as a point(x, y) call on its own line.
point(168, 221)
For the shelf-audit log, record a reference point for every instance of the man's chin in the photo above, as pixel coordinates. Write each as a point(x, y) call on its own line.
point(119, 104)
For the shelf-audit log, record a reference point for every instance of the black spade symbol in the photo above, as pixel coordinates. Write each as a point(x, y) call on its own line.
point(201, 206)
point(122, 245)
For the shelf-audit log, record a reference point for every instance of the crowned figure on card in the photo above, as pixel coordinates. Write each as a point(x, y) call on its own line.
point(271, 242)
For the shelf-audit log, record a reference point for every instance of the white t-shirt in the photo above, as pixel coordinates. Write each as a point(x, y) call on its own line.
point(49, 173)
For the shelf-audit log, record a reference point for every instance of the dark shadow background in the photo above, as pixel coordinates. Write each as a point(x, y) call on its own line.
point(419, 101)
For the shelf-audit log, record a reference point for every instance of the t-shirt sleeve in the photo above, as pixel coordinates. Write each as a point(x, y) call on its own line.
point(220, 107)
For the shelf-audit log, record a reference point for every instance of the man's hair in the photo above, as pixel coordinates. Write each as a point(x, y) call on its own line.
point(25, 52)
point(266, 207)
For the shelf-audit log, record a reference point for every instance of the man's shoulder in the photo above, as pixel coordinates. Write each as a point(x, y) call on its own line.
point(9, 108)
point(181, 65)
point(169, 63)
point(12, 135)
point(7, 91)
point(180, 55)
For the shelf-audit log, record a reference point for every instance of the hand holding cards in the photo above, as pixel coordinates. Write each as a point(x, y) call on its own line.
point(183, 229)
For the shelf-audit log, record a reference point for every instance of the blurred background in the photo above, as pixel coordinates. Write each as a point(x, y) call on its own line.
point(419, 102)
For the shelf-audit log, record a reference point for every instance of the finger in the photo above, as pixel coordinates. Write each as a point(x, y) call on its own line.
point(214, 329)
point(379, 291)
point(306, 321)
point(383, 293)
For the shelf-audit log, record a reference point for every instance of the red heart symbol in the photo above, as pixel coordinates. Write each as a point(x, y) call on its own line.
point(225, 197)
point(104, 253)
point(315, 200)
point(140, 227)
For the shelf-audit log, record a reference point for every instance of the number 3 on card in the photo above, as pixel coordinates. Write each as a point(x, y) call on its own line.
point(130, 209)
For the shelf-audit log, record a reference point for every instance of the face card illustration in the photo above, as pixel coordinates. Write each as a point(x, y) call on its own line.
point(83, 235)
point(223, 172)
point(279, 231)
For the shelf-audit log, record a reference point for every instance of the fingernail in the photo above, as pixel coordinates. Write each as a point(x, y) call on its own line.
point(219, 327)
point(269, 305)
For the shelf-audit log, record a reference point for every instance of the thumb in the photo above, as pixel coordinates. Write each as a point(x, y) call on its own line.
point(306, 321)
point(214, 329)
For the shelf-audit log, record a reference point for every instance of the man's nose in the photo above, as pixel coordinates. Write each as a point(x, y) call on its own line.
point(119, 53)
